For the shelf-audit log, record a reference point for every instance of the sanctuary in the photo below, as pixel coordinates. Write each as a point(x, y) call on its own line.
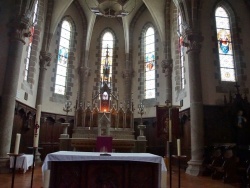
point(105, 117)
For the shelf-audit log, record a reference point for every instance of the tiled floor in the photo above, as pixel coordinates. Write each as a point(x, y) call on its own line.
point(187, 181)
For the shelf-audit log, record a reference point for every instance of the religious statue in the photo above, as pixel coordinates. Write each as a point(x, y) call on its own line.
point(241, 131)
point(240, 119)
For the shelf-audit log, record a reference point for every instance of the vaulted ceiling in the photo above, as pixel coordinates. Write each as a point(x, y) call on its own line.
point(156, 9)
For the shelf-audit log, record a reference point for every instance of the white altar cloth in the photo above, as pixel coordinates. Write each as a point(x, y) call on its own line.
point(22, 162)
point(92, 156)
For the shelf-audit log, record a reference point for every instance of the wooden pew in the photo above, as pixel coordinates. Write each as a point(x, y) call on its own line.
point(228, 170)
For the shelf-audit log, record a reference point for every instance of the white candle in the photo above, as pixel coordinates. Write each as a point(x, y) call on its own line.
point(178, 147)
point(17, 143)
point(46, 178)
point(37, 125)
point(170, 130)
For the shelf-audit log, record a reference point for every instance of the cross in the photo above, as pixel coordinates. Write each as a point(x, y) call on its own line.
point(237, 87)
point(36, 128)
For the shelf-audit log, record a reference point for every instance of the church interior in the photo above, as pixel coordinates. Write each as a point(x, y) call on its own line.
point(164, 77)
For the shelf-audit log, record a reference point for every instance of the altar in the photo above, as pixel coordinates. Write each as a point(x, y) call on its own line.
point(105, 115)
point(23, 162)
point(91, 169)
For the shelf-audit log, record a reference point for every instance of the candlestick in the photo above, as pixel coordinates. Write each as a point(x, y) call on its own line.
point(17, 143)
point(178, 147)
point(170, 130)
point(46, 178)
point(37, 126)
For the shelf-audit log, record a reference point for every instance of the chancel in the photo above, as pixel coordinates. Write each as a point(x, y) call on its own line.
point(106, 78)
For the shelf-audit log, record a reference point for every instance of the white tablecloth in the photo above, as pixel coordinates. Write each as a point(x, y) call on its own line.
point(90, 156)
point(22, 162)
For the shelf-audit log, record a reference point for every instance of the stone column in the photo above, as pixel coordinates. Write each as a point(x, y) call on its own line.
point(127, 76)
point(45, 58)
point(84, 76)
point(167, 63)
point(84, 73)
point(19, 29)
point(196, 103)
point(167, 67)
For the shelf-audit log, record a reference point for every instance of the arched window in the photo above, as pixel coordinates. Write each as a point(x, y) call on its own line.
point(225, 45)
point(149, 63)
point(62, 60)
point(107, 56)
point(32, 29)
point(181, 51)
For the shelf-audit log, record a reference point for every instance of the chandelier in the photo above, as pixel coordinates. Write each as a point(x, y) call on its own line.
point(111, 8)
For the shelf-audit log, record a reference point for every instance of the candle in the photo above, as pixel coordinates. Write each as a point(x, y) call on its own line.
point(46, 178)
point(17, 143)
point(178, 147)
point(170, 130)
point(37, 126)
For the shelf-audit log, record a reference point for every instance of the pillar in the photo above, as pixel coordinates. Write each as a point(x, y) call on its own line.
point(83, 87)
point(167, 67)
point(167, 63)
point(19, 29)
point(44, 61)
point(196, 104)
point(127, 76)
point(45, 58)
point(84, 76)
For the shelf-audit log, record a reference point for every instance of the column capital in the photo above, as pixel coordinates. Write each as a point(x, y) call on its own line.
point(85, 71)
point(192, 40)
point(167, 66)
point(45, 58)
point(127, 74)
point(20, 28)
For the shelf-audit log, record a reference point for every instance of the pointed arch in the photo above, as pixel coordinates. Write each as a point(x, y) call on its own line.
point(225, 49)
point(64, 49)
point(107, 52)
point(181, 51)
point(30, 43)
point(148, 39)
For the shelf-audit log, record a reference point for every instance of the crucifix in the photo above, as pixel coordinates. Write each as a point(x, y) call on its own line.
point(170, 107)
point(35, 129)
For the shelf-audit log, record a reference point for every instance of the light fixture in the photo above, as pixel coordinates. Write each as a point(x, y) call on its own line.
point(67, 108)
point(141, 110)
point(111, 8)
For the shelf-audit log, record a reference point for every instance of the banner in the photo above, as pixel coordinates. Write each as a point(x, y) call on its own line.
point(162, 118)
point(175, 122)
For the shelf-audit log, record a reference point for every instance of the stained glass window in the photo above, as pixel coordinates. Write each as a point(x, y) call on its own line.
point(32, 29)
point(181, 51)
point(225, 47)
point(62, 59)
point(149, 62)
point(107, 56)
